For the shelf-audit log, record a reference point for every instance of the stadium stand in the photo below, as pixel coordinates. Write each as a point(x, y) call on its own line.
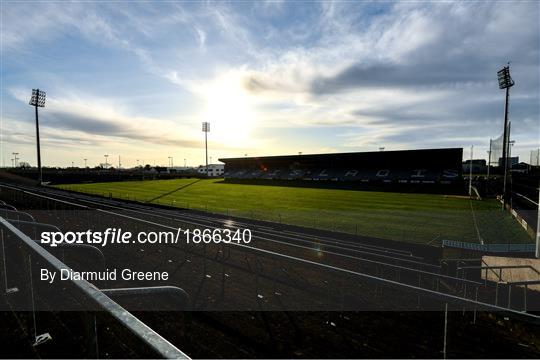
point(430, 166)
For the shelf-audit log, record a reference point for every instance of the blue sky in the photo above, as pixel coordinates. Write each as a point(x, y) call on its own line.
point(137, 79)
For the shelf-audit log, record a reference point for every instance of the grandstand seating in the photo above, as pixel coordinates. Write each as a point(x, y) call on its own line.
point(432, 166)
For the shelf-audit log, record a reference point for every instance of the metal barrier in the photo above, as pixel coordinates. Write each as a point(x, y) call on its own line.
point(9, 207)
point(144, 297)
point(16, 215)
point(494, 248)
point(34, 252)
point(32, 228)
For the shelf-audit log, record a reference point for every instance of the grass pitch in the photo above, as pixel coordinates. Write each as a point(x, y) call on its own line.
point(418, 218)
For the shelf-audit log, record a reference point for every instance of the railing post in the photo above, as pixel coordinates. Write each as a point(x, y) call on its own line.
point(525, 298)
point(41, 338)
point(8, 289)
point(509, 294)
point(445, 329)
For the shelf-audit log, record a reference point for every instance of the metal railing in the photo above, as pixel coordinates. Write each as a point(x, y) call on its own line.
point(494, 248)
point(86, 290)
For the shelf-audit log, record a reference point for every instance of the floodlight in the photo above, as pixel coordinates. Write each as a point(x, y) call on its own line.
point(38, 98)
point(504, 78)
point(206, 126)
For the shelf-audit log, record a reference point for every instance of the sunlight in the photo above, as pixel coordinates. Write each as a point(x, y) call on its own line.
point(229, 111)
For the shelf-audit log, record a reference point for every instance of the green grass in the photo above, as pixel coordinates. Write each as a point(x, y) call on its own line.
point(419, 218)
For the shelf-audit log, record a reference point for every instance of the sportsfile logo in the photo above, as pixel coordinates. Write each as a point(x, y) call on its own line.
point(109, 236)
point(119, 236)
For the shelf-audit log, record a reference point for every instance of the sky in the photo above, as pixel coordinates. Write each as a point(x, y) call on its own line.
point(137, 79)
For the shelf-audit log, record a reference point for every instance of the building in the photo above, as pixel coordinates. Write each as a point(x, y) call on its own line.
point(512, 161)
point(214, 170)
point(479, 166)
point(431, 166)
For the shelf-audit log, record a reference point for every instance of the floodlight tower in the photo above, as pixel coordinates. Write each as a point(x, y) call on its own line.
point(470, 171)
point(505, 82)
point(206, 130)
point(106, 163)
point(38, 100)
point(511, 144)
point(85, 163)
point(489, 160)
point(15, 158)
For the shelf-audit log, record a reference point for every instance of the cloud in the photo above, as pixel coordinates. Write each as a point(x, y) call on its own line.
point(117, 127)
point(407, 74)
point(101, 24)
point(399, 76)
point(202, 39)
point(447, 45)
point(96, 119)
point(420, 74)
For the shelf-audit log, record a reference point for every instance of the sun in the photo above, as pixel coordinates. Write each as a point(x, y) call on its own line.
point(229, 111)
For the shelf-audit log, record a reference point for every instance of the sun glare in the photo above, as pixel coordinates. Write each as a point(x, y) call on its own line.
point(229, 111)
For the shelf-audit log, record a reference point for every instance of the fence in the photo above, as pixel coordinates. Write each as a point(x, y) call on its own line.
point(494, 248)
point(22, 257)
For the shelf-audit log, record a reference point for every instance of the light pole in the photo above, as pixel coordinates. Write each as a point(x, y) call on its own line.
point(537, 253)
point(15, 158)
point(505, 82)
point(206, 130)
point(106, 163)
point(470, 171)
point(85, 163)
point(511, 143)
point(489, 160)
point(38, 100)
